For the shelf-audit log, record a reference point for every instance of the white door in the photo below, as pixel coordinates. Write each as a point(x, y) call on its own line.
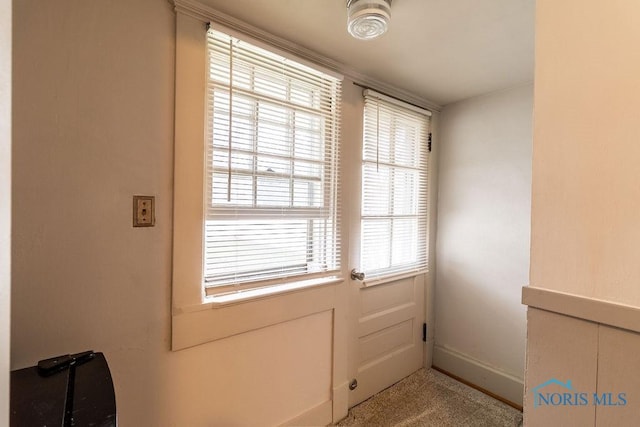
point(388, 238)
point(386, 334)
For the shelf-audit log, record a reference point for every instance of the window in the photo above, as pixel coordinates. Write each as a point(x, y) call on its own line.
point(271, 202)
point(394, 187)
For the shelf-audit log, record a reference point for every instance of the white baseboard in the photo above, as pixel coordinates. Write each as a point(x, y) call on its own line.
point(340, 401)
point(319, 415)
point(474, 371)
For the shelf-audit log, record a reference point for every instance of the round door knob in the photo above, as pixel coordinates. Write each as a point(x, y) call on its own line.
point(357, 275)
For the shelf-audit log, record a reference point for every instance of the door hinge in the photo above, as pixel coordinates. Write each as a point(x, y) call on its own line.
point(424, 332)
point(429, 142)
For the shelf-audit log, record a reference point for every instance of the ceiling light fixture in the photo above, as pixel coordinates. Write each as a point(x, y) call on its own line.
point(368, 19)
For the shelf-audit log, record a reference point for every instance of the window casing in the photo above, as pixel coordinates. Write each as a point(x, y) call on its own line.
point(271, 202)
point(394, 214)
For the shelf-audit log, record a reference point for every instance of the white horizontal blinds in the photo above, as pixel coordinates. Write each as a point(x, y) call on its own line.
point(394, 189)
point(272, 167)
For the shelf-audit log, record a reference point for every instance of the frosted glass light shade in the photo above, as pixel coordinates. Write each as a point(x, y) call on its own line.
point(368, 19)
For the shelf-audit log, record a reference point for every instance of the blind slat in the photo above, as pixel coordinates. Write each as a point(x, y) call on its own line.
point(394, 197)
point(272, 201)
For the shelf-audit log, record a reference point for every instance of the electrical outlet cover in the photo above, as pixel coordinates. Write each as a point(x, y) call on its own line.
point(144, 211)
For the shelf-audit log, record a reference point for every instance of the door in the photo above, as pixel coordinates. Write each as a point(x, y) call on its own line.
point(388, 246)
point(385, 333)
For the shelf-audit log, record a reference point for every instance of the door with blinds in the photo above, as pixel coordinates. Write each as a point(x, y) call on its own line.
point(390, 262)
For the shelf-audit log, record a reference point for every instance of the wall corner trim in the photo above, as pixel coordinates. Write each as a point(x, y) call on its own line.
point(582, 307)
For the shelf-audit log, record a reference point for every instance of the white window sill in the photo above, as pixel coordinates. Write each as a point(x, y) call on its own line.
point(245, 295)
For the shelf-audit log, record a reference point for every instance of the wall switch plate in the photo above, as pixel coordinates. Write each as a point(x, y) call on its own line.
point(144, 211)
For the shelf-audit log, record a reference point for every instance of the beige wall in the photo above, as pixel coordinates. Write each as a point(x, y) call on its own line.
point(482, 251)
point(586, 198)
point(5, 204)
point(93, 123)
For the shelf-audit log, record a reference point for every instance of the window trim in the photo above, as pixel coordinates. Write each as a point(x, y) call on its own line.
point(196, 318)
point(235, 296)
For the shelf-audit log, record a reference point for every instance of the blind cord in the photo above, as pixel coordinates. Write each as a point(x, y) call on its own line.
point(377, 136)
point(230, 117)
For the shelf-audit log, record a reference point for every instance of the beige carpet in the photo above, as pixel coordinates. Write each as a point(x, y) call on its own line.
point(430, 398)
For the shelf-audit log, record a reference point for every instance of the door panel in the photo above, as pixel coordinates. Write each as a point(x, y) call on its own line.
point(375, 299)
point(378, 345)
point(386, 334)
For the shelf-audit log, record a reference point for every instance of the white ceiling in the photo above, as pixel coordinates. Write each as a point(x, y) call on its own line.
point(440, 50)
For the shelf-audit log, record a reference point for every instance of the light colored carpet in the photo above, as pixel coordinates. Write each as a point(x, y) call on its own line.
point(430, 398)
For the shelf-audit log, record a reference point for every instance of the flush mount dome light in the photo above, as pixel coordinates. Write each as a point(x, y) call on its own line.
point(368, 19)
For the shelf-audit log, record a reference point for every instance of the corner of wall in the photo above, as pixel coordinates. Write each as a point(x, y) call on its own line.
point(5, 205)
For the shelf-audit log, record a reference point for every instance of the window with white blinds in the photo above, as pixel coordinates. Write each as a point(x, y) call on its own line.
point(272, 199)
point(394, 188)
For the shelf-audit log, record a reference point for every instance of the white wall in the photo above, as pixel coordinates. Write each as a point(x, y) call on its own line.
point(93, 125)
point(5, 204)
point(483, 239)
